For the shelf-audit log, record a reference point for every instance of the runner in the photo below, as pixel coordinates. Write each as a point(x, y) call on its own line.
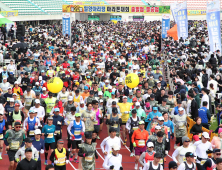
point(48, 132)
point(189, 163)
point(98, 116)
point(2, 132)
point(148, 155)
point(76, 131)
point(211, 162)
point(131, 125)
point(13, 140)
point(88, 152)
point(50, 103)
point(109, 141)
point(154, 164)
point(113, 160)
point(139, 139)
point(60, 156)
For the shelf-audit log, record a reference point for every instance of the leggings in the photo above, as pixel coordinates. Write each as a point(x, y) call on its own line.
point(60, 167)
point(179, 141)
point(131, 144)
point(69, 140)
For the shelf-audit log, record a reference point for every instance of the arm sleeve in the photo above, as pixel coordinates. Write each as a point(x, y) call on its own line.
point(105, 163)
point(96, 155)
point(5, 139)
point(142, 156)
point(67, 154)
point(133, 136)
point(208, 163)
point(208, 115)
point(36, 155)
point(128, 124)
point(80, 153)
point(172, 127)
point(174, 155)
point(24, 123)
point(103, 144)
point(52, 156)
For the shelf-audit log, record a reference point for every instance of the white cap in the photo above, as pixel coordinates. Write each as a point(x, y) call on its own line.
point(36, 83)
point(160, 118)
point(70, 98)
point(10, 87)
point(137, 103)
point(37, 132)
point(101, 100)
point(205, 135)
point(81, 102)
point(158, 82)
point(14, 94)
point(16, 82)
point(124, 97)
point(157, 127)
point(100, 93)
point(40, 77)
point(110, 87)
point(44, 89)
point(116, 147)
point(107, 81)
point(109, 59)
point(150, 144)
point(11, 100)
point(120, 80)
point(5, 78)
point(37, 101)
point(100, 72)
point(180, 109)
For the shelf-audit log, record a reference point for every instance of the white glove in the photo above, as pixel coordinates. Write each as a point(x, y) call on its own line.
point(40, 125)
point(67, 161)
point(167, 140)
point(166, 152)
point(42, 151)
point(126, 112)
point(55, 161)
point(58, 123)
point(36, 127)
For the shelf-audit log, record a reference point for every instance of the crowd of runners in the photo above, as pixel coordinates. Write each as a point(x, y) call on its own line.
point(93, 67)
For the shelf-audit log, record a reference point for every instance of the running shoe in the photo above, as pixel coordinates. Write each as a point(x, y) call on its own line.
point(70, 159)
point(98, 137)
point(136, 166)
point(0, 157)
point(46, 162)
point(132, 154)
point(76, 160)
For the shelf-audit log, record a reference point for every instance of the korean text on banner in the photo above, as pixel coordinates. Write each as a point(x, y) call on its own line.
point(66, 24)
point(213, 24)
point(165, 24)
point(174, 10)
point(182, 20)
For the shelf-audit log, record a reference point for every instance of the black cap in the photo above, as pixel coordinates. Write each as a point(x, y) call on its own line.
point(179, 102)
point(170, 93)
point(152, 96)
point(134, 111)
point(91, 92)
point(88, 135)
point(28, 89)
point(17, 123)
point(189, 154)
point(49, 93)
point(164, 100)
point(30, 85)
point(114, 110)
point(157, 155)
point(112, 129)
point(126, 71)
point(26, 73)
point(28, 140)
point(63, 75)
point(28, 150)
point(216, 150)
point(195, 83)
point(113, 102)
point(76, 91)
point(172, 164)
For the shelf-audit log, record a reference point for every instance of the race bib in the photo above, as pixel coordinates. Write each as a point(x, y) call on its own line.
point(168, 129)
point(15, 144)
point(77, 132)
point(61, 160)
point(141, 143)
point(184, 159)
point(1, 136)
point(135, 128)
point(88, 158)
point(8, 98)
point(31, 132)
point(202, 162)
point(96, 122)
point(161, 161)
point(58, 132)
point(115, 125)
point(50, 135)
point(181, 127)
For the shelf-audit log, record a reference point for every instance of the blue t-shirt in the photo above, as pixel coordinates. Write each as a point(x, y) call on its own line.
point(50, 130)
point(38, 145)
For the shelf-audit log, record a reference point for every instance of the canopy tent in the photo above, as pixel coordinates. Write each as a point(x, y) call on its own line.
point(173, 32)
point(4, 20)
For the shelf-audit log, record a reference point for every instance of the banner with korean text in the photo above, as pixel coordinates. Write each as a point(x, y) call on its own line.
point(116, 9)
point(66, 24)
point(213, 25)
point(173, 8)
point(182, 20)
point(165, 24)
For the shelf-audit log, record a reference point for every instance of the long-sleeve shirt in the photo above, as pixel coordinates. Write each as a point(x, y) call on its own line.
point(128, 123)
point(40, 111)
point(201, 149)
point(27, 165)
point(21, 151)
point(108, 143)
point(113, 160)
point(39, 145)
point(142, 157)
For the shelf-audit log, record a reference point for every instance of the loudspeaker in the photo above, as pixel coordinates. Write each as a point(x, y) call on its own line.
point(21, 30)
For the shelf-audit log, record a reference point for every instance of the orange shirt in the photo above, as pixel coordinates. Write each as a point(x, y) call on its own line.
point(153, 129)
point(84, 95)
point(140, 137)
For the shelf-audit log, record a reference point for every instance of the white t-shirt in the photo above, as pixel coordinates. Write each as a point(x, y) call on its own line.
point(108, 143)
point(201, 149)
point(113, 160)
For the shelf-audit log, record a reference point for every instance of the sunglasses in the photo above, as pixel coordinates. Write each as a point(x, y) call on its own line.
point(175, 167)
point(218, 154)
point(17, 126)
point(187, 141)
point(151, 147)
